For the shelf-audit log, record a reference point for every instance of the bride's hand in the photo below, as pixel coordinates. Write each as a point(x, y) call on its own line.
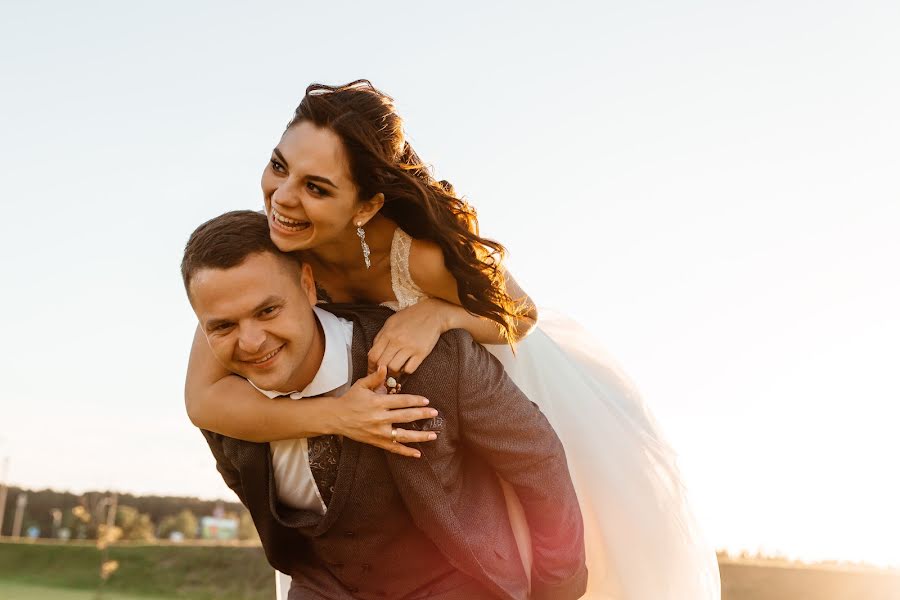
point(369, 417)
point(409, 335)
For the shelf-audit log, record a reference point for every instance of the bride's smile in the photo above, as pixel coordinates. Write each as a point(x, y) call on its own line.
point(310, 197)
point(291, 225)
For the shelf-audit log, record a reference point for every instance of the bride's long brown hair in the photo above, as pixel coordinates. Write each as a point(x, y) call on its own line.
point(382, 160)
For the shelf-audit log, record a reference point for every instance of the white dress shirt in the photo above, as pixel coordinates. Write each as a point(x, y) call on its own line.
point(294, 481)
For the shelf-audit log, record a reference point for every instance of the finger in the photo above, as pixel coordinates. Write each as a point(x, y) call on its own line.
point(395, 401)
point(413, 363)
point(378, 337)
point(396, 364)
point(407, 415)
point(401, 449)
point(387, 356)
point(375, 379)
point(408, 436)
point(377, 355)
point(379, 345)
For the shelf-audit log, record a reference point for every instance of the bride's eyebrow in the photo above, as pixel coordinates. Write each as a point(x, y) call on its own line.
point(318, 178)
point(322, 180)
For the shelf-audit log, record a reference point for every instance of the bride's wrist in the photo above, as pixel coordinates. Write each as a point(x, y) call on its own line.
point(326, 420)
point(449, 316)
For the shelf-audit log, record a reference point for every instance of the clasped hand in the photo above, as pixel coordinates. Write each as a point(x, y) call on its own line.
point(409, 336)
point(369, 417)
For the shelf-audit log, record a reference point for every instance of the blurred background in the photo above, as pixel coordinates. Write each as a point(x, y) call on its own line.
point(709, 187)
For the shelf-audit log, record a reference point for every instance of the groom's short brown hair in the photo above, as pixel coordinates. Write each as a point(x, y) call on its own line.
point(226, 241)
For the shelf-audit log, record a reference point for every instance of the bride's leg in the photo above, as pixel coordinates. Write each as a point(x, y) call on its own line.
point(519, 526)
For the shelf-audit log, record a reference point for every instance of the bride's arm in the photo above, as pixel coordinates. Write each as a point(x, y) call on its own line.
point(410, 335)
point(483, 330)
point(428, 271)
point(220, 401)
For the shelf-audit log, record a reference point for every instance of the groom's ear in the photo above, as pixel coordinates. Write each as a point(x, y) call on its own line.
point(308, 284)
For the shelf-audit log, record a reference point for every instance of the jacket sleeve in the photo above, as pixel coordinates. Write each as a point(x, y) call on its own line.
point(227, 470)
point(500, 423)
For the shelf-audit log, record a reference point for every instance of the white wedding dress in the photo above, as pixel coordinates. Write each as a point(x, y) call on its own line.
point(641, 540)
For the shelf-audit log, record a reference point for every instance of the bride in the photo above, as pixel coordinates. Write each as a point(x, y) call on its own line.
point(346, 188)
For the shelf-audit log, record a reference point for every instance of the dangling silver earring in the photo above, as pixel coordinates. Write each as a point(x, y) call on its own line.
point(362, 241)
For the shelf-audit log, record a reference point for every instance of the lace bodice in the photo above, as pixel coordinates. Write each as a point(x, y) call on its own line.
point(405, 289)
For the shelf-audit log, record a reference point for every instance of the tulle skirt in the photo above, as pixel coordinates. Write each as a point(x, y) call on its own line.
point(641, 540)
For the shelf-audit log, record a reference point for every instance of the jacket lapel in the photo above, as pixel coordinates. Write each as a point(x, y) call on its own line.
point(419, 486)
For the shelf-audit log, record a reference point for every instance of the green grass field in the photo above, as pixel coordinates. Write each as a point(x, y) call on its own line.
point(50, 571)
point(18, 591)
point(148, 572)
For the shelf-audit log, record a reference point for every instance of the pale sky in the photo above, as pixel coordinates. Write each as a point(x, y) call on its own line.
point(711, 188)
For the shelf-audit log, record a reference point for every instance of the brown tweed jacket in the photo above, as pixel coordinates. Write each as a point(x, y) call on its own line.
point(487, 427)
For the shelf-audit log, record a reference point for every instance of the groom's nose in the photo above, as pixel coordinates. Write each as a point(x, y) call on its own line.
point(251, 339)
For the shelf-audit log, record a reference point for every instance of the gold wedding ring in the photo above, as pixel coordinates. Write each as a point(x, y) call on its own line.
point(394, 435)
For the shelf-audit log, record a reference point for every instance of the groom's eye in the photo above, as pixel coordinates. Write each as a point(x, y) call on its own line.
point(276, 166)
point(268, 311)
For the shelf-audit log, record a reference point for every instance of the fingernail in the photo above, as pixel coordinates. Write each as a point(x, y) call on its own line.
point(418, 455)
point(433, 412)
point(427, 400)
point(433, 436)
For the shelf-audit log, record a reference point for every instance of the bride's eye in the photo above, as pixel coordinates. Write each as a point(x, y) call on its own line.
point(276, 166)
point(315, 189)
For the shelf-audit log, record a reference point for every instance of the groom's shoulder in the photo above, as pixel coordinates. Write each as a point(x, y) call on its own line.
point(462, 347)
point(371, 318)
point(367, 315)
point(460, 339)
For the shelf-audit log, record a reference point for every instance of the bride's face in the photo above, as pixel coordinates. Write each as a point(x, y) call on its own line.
point(310, 196)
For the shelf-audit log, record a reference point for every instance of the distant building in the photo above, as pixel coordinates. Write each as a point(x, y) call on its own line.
point(214, 528)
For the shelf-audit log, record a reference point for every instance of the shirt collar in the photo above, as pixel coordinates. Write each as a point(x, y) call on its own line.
point(335, 369)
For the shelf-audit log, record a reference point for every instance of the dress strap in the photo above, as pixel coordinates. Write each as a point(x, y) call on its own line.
point(405, 289)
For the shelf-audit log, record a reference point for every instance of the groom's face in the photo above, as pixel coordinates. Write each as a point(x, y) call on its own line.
point(259, 321)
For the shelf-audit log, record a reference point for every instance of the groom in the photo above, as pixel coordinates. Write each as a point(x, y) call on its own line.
point(348, 520)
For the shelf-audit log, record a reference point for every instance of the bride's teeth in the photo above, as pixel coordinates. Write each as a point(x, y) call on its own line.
point(289, 222)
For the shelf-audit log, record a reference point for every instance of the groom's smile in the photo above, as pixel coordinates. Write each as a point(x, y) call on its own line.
point(264, 362)
point(259, 322)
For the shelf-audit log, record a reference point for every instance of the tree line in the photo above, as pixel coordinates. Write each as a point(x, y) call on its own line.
point(141, 518)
